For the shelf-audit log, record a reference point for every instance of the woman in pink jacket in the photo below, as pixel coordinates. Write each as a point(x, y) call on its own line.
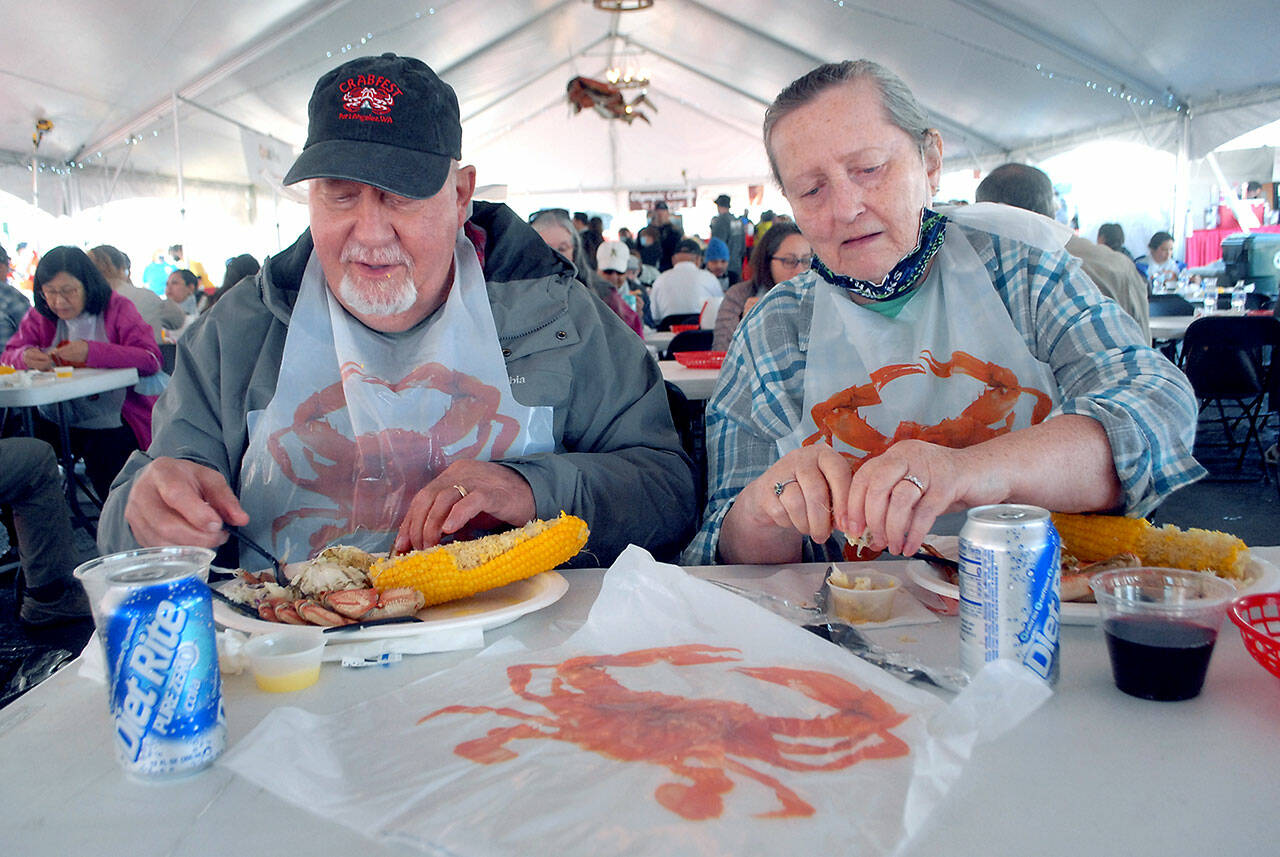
point(78, 320)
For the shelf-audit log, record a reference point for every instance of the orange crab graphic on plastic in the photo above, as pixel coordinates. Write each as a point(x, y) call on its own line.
point(702, 741)
point(338, 461)
point(990, 414)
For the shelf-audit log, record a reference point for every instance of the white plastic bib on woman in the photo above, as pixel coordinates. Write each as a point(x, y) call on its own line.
point(101, 410)
point(361, 420)
point(951, 368)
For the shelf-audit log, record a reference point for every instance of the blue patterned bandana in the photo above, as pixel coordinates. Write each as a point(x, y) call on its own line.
point(906, 275)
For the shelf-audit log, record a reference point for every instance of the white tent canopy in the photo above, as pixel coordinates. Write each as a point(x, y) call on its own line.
point(1002, 79)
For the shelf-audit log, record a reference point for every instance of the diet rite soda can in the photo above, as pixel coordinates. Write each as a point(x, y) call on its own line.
point(1009, 586)
point(155, 618)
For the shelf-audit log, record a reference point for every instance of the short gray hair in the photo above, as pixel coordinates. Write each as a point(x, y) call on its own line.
point(899, 104)
point(555, 217)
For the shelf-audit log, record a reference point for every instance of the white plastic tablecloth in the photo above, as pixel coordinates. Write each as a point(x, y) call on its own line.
point(1091, 772)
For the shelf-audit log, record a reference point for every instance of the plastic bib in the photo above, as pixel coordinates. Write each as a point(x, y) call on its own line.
point(950, 369)
point(361, 420)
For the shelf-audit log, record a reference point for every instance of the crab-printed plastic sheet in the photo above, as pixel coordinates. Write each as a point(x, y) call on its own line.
point(680, 719)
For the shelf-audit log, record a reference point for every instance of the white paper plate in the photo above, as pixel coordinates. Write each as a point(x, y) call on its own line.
point(487, 610)
point(1263, 577)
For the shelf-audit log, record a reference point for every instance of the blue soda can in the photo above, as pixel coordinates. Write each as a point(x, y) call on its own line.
point(1010, 577)
point(155, 617)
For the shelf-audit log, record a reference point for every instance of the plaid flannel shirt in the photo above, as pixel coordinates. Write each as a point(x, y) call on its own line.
point(1096, 351)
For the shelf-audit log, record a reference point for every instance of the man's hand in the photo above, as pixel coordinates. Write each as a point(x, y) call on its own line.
point(177, 502)
point(37, 359)
point(490, 492)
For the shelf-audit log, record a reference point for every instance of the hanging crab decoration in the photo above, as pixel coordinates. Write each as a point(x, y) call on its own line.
point(606, 99)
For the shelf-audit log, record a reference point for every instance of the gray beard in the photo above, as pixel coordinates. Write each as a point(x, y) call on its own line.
point(387, 298)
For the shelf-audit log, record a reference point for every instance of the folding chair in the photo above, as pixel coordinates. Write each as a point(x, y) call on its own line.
point(689, 340)
point(1229, 361)
point(678, 318)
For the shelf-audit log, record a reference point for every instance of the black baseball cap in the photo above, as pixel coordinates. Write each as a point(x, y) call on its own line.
point(688, 245)
point(384, 121)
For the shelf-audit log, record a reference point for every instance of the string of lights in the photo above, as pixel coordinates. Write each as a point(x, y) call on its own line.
point(1113, 90)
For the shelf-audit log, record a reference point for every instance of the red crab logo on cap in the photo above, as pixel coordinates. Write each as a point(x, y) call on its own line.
point(368, 97)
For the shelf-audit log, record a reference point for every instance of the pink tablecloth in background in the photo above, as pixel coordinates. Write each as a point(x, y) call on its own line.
point(1205, 245)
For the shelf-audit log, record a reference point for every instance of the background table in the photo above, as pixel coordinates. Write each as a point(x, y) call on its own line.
point(48, 390)
point(696, 384)
point(658, 340)
point(1166, 327)
point(1091, 772)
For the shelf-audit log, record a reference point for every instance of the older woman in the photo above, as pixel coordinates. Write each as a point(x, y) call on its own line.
point(558, 233)
point(781, 254)
point(922, 366)
point(162, 315)
point(79, 321)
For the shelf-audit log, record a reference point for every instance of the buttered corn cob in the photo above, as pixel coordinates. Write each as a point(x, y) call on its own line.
point(1090, 538)
point(452, 571)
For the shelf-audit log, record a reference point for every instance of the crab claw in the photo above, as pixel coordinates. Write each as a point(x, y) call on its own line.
point(352, 603)
point(286, 612)
point(399, 601)
point(317, 614)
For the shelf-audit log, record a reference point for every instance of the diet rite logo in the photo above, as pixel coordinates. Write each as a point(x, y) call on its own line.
point(368, 98)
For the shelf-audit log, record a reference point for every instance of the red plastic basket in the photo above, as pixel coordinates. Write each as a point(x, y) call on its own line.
point(700, 359)
point(1258, 618)
point(681, 328)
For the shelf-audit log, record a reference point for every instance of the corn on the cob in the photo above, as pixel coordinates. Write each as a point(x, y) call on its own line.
point(457, 570)
point(1090, 538)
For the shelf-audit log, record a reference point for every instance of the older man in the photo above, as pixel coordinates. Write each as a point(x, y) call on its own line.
point(1024, 186)
point(392, 380)
point(927, 363)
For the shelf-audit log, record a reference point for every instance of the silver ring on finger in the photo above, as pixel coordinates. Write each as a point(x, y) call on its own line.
point(914, 480)
point(779, 487)
point(463, 491)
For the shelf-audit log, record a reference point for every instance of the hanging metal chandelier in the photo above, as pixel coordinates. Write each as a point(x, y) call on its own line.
point(621, 5)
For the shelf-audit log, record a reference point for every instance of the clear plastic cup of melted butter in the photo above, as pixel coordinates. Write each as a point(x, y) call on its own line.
point(285, 661)
point(859, 596)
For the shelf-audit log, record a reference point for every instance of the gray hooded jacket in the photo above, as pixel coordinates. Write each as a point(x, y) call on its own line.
point(618, 463)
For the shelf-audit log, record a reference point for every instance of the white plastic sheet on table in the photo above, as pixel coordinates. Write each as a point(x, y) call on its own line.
point(685, 737)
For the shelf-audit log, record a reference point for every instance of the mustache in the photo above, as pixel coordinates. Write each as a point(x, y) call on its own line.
point(391, 254)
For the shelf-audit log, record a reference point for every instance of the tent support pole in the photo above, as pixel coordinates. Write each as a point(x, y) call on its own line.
point(111, 189)
point(177, 151)
point(1182, 184)
point(35, 184)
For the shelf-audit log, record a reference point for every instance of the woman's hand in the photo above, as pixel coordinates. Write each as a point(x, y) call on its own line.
point(801, 494)
point(73, 353)
point(37, 359)
point(895, 497)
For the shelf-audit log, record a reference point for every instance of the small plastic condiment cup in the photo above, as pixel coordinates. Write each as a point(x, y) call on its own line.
point(1160, 625)
point(285, 661)
point(63, 372)
point(874, 604)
